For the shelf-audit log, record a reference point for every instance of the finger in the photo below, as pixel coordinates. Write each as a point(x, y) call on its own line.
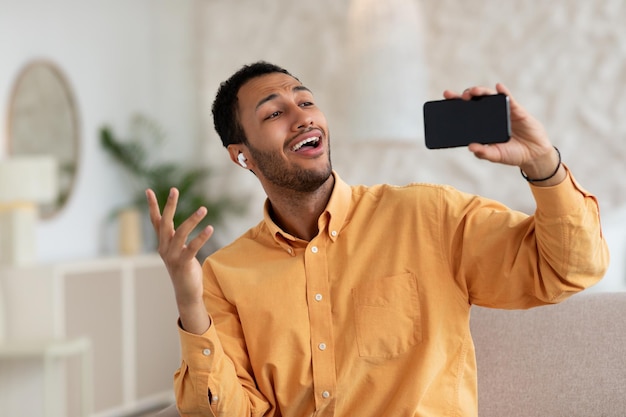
point(513, 104)
point(470, 92)
point(185, 228)
point(448, 94)
point(153, 207)
point(491, 153)
point(476, 91)
point(501, 88)
point(196, 243)
point(166, 223)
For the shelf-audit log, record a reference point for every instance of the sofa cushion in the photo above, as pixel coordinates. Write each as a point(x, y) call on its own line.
point(566, 360)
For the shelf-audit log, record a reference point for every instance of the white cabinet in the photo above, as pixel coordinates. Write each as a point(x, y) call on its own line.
point(124, 307)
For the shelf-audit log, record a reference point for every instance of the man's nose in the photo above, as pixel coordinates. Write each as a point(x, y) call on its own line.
point(302, 118)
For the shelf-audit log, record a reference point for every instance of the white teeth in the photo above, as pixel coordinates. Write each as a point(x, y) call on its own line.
point(304, 142)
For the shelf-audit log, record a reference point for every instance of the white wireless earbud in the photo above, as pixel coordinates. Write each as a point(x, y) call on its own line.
point(242, 160)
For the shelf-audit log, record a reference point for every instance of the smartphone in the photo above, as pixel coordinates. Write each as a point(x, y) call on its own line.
point(456, 122)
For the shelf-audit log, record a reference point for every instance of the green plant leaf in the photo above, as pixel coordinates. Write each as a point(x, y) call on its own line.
point(133, 154)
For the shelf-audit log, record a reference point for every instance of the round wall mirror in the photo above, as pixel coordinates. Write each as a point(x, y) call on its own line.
point(43, 121)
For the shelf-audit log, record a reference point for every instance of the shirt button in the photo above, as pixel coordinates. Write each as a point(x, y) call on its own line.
point(325, 394)
point(206, 352)
point(333, 233)
point(215, 398)
point(318, 297)
point(322, 346)
point(314, 249)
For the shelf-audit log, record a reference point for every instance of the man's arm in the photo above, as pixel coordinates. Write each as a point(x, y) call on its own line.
point(556, 252)
point(508, 259)
point(204, 363)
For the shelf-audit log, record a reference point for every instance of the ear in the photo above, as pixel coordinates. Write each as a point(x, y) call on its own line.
point(234, 151)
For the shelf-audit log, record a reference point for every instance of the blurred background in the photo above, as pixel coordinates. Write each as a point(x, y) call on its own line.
point(144, 73)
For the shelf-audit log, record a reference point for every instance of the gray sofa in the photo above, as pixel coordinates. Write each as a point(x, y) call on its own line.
point(563, 360)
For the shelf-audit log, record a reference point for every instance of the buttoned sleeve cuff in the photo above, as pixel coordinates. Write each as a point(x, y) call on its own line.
point(561, 199)
point(200, 352)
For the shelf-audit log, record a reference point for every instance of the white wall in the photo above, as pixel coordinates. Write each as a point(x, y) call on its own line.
point(120, 57)
point(564, 61)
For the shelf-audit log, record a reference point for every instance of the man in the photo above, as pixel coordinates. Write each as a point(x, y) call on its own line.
point(354, 301)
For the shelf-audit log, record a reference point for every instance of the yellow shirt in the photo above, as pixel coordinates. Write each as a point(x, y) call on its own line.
point(371, 317)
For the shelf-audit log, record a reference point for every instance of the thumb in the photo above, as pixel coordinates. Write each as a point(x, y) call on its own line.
point(491, 153)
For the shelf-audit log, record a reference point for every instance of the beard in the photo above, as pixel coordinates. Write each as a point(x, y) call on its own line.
point(292, 177)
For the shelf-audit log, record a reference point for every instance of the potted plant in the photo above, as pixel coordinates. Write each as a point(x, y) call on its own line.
point(133, 155)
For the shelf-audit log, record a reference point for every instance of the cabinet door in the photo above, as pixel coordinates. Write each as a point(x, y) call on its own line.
point(157, 347)
point(93, 308)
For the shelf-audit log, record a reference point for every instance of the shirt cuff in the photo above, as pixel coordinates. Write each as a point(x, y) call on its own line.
point(561, 199)
point(200, 352)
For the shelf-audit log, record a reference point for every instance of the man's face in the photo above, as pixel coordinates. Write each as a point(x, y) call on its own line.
point(287, 133)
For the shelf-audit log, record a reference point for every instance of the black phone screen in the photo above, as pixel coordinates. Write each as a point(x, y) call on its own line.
point(456, 122)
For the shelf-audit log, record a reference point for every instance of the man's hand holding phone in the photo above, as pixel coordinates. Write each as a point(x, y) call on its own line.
point(528, 146)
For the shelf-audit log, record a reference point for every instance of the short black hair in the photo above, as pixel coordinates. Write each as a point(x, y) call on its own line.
point(225, 117)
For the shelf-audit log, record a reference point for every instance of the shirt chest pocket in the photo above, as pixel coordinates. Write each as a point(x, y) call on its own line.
point(387, 315)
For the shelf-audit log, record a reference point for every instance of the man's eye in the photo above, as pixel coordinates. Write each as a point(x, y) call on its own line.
point(306, 104)
point(271, 116)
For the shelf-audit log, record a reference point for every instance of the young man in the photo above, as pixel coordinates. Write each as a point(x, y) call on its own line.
point(354, 301)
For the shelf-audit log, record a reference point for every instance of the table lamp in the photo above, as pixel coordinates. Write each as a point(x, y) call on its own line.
point(25, 182)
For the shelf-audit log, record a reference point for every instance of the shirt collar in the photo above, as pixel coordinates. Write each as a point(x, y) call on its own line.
point(330, 221)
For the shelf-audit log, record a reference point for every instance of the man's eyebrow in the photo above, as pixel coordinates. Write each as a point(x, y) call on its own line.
point(274, 95)
point(265, 100)
point(302, 88)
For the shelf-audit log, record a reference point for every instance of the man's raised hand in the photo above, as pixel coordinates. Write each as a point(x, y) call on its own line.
point(179, 256)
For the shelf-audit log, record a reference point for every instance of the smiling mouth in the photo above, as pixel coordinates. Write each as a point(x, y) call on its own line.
point(312, 142)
